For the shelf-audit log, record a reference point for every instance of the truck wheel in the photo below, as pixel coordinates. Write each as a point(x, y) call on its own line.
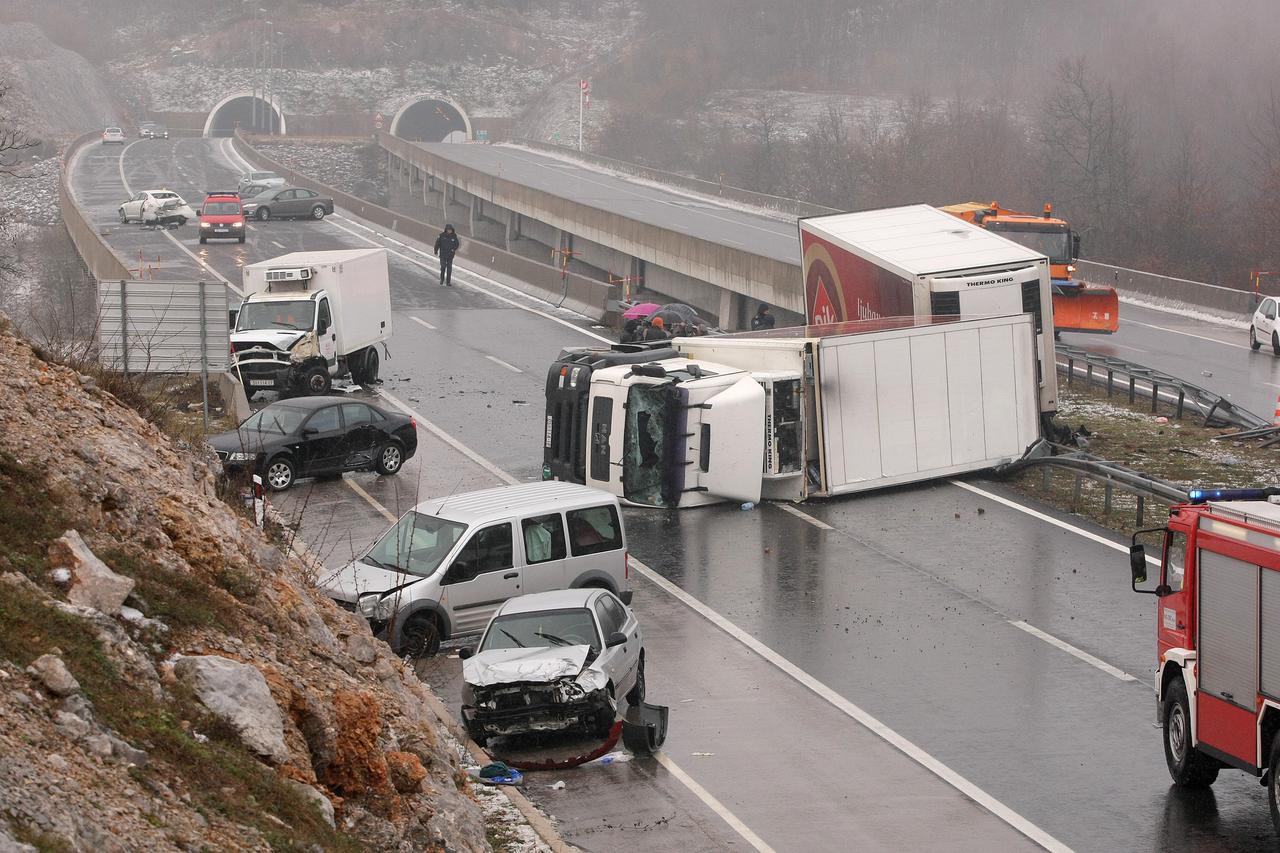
point(420, 637)
point(390, 458)
point(1188, 767)
point(1273, 783)
point(279, 474)
point(263, 214)
point(1254, 343)
point(317, 212)
point(315, 381)
point(369, 367)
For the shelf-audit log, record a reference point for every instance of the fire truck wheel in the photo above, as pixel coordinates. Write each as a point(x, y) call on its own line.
point(1273, 783)
point(1188, 767)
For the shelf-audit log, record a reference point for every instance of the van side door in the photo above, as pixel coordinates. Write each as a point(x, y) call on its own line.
point(481, 576)
point(542, 537)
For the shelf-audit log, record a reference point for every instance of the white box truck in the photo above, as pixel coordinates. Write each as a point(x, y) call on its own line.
point(789, 414)
point(310, 317)
point(920, 261)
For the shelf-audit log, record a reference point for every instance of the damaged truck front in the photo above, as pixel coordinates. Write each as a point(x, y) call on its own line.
point(310, 317)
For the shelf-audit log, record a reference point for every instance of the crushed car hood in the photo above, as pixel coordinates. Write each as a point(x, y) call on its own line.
point(509, 666)
point(281, 339)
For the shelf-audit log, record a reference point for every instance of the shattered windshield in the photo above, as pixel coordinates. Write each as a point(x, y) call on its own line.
point(542, 629)
point(417, 544)
point(649, 444)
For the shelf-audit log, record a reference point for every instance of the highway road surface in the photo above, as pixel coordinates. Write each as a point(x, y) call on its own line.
point(943, 667)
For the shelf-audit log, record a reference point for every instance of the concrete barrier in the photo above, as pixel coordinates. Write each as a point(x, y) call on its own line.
point(1163, 288)
point(581, 294)
point(96, 253)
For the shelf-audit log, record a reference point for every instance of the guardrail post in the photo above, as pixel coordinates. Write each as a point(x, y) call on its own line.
point(1045, 472)
point(1131, 384)
point(1111, 375)
point(1075, 492)
point(1106, 498)
point(1139, 516)
point(1155, 395)
point(1088, 376)
point(1071, 369)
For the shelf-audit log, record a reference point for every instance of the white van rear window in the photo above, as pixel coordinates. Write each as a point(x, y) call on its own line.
point(594, 530)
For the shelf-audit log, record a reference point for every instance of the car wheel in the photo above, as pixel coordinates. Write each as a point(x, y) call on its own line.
point(203, 240)
point(390, 458)
point(123, 218)
point(1189, 767)
point(603, 723)
point(476, 734)
point(1254, 343)
point(1275, 343)
point(279, 474)
point(635, 696)
point(263, 214)
point(242, 239)
point(420, 637)
point(316, 381)
point(317, 212)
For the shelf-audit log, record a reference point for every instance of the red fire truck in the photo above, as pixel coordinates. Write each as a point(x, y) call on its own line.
point(1218, 629)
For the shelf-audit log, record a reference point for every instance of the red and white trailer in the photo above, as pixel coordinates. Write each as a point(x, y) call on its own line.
point(1218, 629)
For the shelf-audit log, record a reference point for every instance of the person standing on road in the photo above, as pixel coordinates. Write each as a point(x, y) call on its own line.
point(763, 319)
point(656, 330)
point(447, 245)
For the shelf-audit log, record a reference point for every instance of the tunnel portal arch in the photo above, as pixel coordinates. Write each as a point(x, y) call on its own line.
point(237, 109)
point(431, 118)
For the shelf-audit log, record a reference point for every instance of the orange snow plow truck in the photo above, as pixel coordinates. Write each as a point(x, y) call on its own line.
point(1077, 306)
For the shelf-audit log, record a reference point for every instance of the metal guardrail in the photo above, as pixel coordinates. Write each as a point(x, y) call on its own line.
point(102, 262)
point(1137, 380)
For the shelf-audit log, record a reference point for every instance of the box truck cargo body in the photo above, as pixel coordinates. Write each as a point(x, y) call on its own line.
point(308, 317)
point(920, 261)
point(796, 413)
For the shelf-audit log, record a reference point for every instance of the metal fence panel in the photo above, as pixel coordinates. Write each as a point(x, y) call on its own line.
point(163, 326)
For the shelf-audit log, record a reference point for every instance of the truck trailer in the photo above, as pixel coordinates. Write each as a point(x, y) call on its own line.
point(310, 317)
point(920, 261)
point(790, 414)
point(1217, 626)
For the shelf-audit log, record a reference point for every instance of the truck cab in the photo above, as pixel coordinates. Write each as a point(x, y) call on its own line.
point(285, 337)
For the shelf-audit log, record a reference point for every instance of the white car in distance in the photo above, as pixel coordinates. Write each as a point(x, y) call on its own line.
point(1262, 328)
point(149, 205)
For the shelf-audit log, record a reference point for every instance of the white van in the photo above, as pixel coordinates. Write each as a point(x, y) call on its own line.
point(446, 565)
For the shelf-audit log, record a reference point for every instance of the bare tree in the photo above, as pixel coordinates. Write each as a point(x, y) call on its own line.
point(764, 166)
point(1262, 134)
point(13, 140)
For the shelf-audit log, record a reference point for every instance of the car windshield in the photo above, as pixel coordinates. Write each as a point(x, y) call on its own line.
point(281, 420)
point(417, 544)
point(221, 208)
point(541, 629)
point(291, 314)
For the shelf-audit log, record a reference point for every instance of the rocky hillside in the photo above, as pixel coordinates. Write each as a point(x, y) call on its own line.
point(50, 91)
point(168, 678)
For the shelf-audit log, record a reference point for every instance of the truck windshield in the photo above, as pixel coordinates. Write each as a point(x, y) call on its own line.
point(293, 314)
point(416, 545)
point(1054, 245)
point(650, 440)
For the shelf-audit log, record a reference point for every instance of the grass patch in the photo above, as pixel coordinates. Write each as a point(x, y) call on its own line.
point(180, 600)
point(29, 520)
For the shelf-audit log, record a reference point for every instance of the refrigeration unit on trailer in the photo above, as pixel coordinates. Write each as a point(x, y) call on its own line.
point(920, 261)
point(310, 317)
point(1218, 636)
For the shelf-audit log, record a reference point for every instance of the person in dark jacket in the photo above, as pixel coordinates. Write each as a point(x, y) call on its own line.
point(763, 319)
point(656, 330)
point(447, 245)
point(630, 331)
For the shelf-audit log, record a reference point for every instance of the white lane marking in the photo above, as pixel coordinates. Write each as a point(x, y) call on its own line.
point(278, 244)
point(422, 322)
point(786, 507)
point(906, 747)
point(1187, 334)
point(700, 792)
point(714, 804)
point(199, 262)
point(499, 361)
point(1093, 537)
point(1073, 651)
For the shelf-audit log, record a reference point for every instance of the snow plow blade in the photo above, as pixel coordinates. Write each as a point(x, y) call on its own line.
point(1086, 308)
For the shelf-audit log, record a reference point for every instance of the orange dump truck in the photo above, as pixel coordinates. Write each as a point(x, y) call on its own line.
point(1077, 306)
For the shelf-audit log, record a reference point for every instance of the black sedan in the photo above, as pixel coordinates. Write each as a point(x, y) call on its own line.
point(287, 203)
point(314, 436)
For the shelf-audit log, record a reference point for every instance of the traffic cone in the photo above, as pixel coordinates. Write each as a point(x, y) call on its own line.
point(1275, 420)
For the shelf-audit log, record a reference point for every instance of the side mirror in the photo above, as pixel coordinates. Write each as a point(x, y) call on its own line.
point(232, 315)
point(1138, 565)
point(309, 430)
point(1075, 246)
point(461, 570)
point(465, 652)
point(617, 638)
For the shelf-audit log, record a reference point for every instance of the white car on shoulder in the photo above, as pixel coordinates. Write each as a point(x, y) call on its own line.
point(1263, 329)
point(553, 661)
point(150, 205)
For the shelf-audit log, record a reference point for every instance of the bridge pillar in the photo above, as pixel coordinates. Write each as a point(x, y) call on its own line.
point(729, 302)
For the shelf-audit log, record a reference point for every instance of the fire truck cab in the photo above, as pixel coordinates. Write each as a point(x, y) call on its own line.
point(1218, 636)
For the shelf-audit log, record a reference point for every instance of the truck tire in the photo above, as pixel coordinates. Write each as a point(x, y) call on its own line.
point(1273, 783)
point(315, 381)
point(1188, 767)
point(1254, 343)
point(390, 458)
point(368, 367)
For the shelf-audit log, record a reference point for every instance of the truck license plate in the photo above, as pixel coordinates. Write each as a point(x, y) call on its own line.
point(262, 382)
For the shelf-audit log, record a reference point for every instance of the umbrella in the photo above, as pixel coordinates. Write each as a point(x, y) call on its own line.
point(644, 309)
point(678, 312)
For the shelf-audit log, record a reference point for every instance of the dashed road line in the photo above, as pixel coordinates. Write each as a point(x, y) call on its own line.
point(1097, 663)
point(499, 361)
point(423, 322)
point(803, 516)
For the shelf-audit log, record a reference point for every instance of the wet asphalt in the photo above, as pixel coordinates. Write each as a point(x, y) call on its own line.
point(905, 608)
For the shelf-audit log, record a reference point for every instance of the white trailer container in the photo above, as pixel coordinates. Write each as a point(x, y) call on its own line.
point(827, 410)
point(308, 317)
point(920, 261)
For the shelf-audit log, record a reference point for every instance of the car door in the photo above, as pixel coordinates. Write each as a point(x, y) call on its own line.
point(542, 537)
point(326, 335)
point(618, 662)
point(322, 437)
point(481, 576)
point(362, 438)
point(289, 203)
point(133, 207)
point(1265, 319)
point(302, 202)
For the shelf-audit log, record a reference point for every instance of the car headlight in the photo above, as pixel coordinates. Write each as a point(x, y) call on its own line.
point(205, 225)
point(241, 456)
point(237, 224)
point(374, 607)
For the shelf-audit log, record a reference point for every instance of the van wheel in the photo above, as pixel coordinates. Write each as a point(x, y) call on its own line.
point(1188, 767)
point(420, 637)
point(476, 733)
point(635, 696)
point(1254, 343)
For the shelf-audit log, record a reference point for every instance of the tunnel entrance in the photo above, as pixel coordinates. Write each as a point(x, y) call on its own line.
point(238, 111)
point(430, 118)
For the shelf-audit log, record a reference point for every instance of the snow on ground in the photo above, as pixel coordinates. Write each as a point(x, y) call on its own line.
point(1184, 309)
point(508, 829)
point(353, 168)
point(31, 195)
